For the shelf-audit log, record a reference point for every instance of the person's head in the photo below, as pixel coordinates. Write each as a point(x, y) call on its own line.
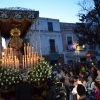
point(98, 71)
point(92, 68)
point(81, 90)
point(56, 79)
point(87, 73)
point(79, 80)
point(71, 73)
point(24, 79)
point(96, 85)
point(81, 74)
point(75, 79)
point(90, 78)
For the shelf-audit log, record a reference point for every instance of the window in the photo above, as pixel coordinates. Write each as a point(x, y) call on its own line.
point(69, 40)
point(50, 26)
point(52, 45)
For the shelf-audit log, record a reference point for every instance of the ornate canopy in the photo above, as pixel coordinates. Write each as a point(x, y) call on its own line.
point(21, 18)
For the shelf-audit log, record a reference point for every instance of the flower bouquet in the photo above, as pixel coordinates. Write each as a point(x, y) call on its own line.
point(8, 78)
point(39, 74)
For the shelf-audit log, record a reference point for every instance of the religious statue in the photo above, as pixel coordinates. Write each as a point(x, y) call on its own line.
point(16, 42)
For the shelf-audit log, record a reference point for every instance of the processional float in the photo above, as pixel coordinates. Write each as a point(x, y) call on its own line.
point(18, 56)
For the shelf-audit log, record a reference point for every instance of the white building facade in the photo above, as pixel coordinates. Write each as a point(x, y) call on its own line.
point(45, 36)
point(72, 50)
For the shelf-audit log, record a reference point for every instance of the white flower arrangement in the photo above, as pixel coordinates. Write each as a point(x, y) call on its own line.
point(40, 72)
point(9, 76)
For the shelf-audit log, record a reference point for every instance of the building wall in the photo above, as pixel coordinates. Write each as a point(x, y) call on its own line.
point(44, 24)
point(39, 38)
point(67, 29)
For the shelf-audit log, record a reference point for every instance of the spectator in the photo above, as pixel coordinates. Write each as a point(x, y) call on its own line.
point(98, 77)
point(82, 78)
point(24, 90)
point(74, 91)
point(89, 85)
point(97, 91)
point(81, 92)
point(54, 90)
point(83, 69)
point(93, 72)
point(59, 75)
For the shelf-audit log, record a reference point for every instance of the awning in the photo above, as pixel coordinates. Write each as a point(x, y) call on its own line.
point(54, 57)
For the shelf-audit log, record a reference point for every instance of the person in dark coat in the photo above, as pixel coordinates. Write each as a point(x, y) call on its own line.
point(55, 90)
point(24, 90)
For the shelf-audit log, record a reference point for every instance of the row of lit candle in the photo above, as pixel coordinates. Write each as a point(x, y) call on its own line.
point(9, 62)
point(30, 58)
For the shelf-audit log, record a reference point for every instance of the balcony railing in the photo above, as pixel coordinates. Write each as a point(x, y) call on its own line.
point(53, 49)
point(72, 47)
point(82, 48)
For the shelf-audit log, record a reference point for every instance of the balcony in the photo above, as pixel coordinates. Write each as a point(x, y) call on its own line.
point(53, 50)
point(82, 48)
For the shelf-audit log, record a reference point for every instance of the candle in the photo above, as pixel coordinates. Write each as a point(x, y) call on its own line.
point(10, 64)
point(24, 48)
point(32, 49)
point(11, 51)
point(34, 62)
point(27, 50)
point(28, 62)
point(18, 64)
point(31, 62)
point(23, 63)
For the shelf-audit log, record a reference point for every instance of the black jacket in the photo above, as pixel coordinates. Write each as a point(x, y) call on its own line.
point(24, 91)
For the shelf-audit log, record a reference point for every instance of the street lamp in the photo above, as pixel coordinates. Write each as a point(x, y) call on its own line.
point(83, 46)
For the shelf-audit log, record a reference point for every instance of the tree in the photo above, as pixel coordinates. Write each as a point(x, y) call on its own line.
point(88, 31)
point(86, 5)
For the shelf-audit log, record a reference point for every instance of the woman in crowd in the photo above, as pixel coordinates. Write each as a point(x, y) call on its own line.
point(96, 92)
point(98, 76)
point(82, 78)
point(89, 85)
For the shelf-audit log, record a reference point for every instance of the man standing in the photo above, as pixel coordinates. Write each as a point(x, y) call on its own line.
point(81, 92)
point(24, 90)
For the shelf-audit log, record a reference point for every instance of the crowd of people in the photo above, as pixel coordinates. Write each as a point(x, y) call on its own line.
point(77, 81)
point(81, 81)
